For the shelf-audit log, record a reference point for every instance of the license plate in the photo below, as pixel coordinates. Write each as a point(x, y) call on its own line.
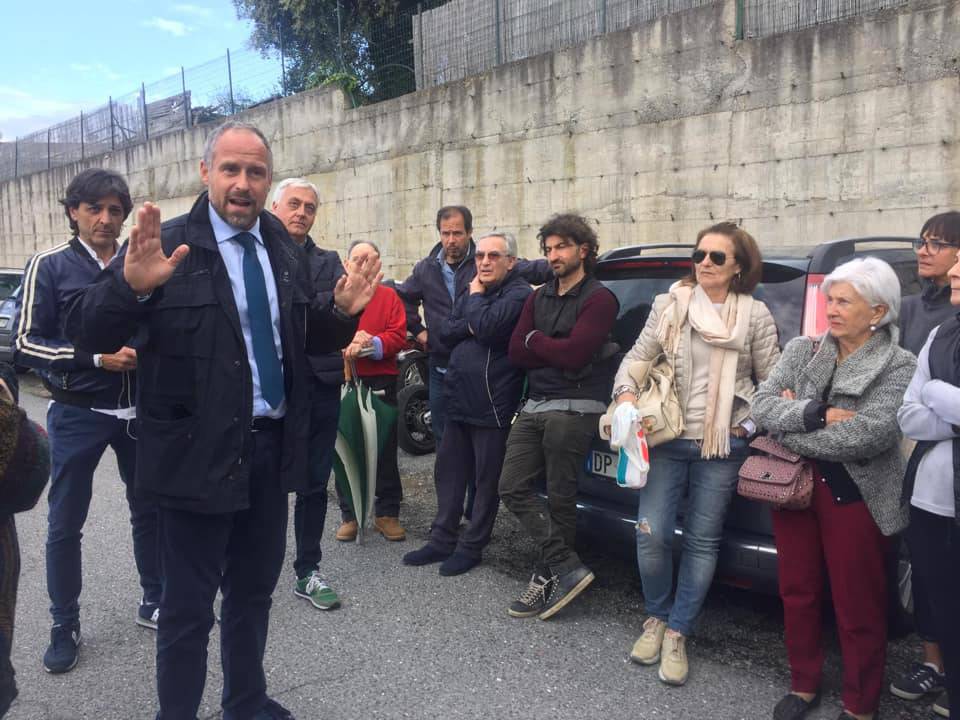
point(602, 463)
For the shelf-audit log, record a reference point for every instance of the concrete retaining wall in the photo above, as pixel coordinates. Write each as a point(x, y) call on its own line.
point(844, 129)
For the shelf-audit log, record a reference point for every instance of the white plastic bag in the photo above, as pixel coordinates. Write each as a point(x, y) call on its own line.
point(626, 436)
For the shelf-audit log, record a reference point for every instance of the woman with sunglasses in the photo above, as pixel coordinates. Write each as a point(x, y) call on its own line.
point(835, 400)
point(717, 338)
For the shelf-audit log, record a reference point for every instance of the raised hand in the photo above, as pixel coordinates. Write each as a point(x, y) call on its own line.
point(355, 289)
point(145, 267)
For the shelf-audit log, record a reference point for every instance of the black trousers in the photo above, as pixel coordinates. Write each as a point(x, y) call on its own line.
point(547, 446)
point(389, 490)
point(310, 508)
point(468, 454)
point(935, 554)
point(242, 554)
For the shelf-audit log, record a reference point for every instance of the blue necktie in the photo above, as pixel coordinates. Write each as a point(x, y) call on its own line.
point(261, 326)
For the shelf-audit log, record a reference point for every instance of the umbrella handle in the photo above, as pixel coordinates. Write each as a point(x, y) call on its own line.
point(348, 368)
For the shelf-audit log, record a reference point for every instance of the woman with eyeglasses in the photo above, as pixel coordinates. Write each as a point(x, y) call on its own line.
point(718, 339)
point(937, 249)
point(834, 400)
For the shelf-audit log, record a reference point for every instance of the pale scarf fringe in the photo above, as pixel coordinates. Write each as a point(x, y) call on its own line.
point(726, 331)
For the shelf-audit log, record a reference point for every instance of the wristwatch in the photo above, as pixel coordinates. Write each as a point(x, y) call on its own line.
point(623, 389)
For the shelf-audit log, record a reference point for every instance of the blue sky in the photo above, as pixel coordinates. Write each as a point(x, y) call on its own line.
point(62, 56)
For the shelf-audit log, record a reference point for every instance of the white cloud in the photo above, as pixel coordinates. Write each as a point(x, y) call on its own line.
point(192, 10)
point(22, 113)
point(98, 69)
point(174, 27)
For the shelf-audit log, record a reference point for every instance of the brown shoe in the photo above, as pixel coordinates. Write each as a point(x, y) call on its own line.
point(347, 531)
point(390, 528)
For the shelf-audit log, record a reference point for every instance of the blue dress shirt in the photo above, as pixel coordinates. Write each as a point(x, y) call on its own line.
point(232, 254)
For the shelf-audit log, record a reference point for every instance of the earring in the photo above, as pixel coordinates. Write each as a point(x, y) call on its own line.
point(873, 328)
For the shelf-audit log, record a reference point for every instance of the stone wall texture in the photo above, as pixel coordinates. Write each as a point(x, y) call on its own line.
point(844, 129)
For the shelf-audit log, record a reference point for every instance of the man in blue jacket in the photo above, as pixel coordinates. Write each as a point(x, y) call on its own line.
point(482, 393)
point(437, 282)
point(93, 406)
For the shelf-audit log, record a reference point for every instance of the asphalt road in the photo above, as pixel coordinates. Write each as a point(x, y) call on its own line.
point(408, 643)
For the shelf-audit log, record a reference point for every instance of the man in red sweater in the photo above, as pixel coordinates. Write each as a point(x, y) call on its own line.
point(561, 340)
point(383, 328)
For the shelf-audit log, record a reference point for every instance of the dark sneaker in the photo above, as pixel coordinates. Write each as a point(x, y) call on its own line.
point(565, 588)
point(941, 706)
point(272, 710)
point(64, 650)
point(424, 556)
point(315, 589)
point(148, 614)
point(532, 600)
point(794, 707)
point(922, 680)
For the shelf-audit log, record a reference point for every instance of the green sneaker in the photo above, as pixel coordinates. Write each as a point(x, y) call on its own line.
point(315, 589)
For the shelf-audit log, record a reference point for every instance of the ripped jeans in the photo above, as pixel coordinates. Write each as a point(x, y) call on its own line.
point(675, 469)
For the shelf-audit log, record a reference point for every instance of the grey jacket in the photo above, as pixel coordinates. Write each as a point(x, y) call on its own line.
point(756, 360)
point(871, 382)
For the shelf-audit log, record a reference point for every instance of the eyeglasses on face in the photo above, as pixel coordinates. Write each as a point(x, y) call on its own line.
point(717, 257)
point(493, 255)
point(933, 246)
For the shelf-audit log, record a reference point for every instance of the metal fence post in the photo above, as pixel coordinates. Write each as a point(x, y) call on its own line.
point(283, 65)
point(81, 135)
point(603, 17)
point(423, 69)
point(186, 105)
point(339, 37)
point(741, 20)
point(146, 120)
point(233, 107)
point(48, 148)
point(496, 23)
point(113, 141)
point(16, 157)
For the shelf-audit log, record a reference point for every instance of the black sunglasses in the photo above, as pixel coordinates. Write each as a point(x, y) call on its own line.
point(717, 257)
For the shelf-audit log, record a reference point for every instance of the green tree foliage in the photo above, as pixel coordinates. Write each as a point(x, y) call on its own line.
point(363, 46)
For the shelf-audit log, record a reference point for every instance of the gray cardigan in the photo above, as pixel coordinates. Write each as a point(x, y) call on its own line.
point(871, 382)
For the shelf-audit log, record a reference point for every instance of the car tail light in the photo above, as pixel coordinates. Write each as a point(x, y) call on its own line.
point(814, 307)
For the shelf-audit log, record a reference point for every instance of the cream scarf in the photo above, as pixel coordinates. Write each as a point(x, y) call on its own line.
point(726, 332)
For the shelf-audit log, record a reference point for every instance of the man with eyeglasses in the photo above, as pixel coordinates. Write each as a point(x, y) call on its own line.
point(482, 392)
point(562, 342)
point(937, 251)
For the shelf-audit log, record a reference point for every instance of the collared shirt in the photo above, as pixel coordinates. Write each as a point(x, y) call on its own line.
point(127, 413)
point(449, 273)
point(232, 254)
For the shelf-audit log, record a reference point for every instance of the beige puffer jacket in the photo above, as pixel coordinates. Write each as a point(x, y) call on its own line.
point(756, 361)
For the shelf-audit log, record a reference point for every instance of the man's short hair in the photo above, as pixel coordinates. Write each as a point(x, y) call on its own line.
point(91, 186)
point(362, 242)
point(508, 239)
point(448, 211)
point(211, 142)
point(575, 229)
point(294, 182)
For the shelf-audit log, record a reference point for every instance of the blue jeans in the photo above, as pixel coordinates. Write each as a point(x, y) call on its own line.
point(438, 403)
point(675, 468)
point(78, 439)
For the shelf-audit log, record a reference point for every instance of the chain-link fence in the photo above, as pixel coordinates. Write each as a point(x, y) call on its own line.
point(379, 59)
point(467, 37)
point(206, 93)
point(761, 18)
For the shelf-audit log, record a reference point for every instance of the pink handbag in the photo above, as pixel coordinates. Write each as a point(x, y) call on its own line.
point(776, 476)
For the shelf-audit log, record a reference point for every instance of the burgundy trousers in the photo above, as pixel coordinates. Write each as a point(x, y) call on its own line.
point(844, 544)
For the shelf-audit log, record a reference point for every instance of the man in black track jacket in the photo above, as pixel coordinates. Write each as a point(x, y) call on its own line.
point(93, 398)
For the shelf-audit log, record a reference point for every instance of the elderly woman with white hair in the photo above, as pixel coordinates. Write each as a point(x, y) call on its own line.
point(834, 400)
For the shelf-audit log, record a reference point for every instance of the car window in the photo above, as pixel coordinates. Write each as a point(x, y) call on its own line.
point(9, 282)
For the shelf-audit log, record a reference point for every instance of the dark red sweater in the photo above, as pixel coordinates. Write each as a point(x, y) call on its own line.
point(384, 317)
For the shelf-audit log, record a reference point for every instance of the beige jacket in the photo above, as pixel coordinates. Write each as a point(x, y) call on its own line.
point(756, 361)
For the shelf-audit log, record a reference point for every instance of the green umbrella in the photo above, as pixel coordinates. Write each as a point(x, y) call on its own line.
point(365, 424)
